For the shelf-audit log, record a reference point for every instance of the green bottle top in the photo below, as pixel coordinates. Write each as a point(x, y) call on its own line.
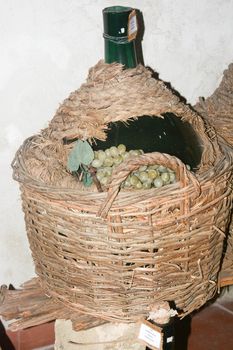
point(120, 29)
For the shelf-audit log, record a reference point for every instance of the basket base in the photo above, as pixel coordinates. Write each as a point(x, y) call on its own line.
point(38, 308)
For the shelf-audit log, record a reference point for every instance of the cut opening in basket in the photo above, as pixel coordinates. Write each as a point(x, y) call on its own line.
point(141, 135)
point(167, 134)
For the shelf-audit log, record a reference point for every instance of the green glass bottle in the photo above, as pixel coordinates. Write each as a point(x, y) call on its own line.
point(118, 46)
point(168, 134)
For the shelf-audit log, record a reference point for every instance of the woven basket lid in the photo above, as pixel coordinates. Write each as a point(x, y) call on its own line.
point(110, 94)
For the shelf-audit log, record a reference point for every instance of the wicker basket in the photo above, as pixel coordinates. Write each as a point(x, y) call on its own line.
point(113, 254)
point(218, 110)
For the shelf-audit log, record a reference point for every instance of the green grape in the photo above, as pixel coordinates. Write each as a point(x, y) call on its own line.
point(114, 151)
point(96, 163)
point(95, 154)
point(165, 177)
point(99, 174)
point(104, 180)
point(136, 173)
point(101, 155)
point(153, 167)
point(134, 180)
point(121, 148)
point(108, 152)
point(149, 180)
point(127, 182)
point(125, 155)
point(108, 161)
point(162, 169)
point(152, 174)
point(118, 160)
point(142, 168)
point(166, 183)
point(107, 171)
point(134, 152)
point(143, 176)
point(158, 182)
point(146, 184)
point(172, 177)
point(138, 185)
point(188, 167)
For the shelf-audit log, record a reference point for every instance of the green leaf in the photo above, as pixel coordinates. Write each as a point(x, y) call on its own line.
point(73, 163)
point(86, 152)
point(82, 153)
point(87, 179)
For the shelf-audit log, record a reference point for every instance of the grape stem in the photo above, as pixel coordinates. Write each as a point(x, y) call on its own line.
point(92, 171)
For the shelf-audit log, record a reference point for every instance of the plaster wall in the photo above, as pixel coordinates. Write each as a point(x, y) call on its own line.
point(47, 47)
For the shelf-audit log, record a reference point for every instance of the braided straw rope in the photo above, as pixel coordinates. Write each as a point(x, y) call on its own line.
point(113, 254)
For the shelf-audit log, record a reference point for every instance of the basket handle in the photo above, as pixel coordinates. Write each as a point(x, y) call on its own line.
point(121, 172)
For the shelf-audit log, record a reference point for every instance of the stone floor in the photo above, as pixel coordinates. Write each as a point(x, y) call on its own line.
point(211, 328)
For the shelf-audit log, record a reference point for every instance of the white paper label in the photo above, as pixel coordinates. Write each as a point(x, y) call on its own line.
point(150, 336)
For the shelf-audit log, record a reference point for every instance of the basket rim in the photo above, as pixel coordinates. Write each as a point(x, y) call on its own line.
point(21, 175)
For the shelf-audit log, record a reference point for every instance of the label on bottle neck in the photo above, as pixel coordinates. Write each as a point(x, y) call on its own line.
point(132, 25)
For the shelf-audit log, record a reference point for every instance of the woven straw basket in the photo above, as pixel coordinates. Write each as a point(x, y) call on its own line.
point(112, 254)
point(218, 110)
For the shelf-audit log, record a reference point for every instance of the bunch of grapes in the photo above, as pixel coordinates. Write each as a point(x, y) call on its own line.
point(144, 177)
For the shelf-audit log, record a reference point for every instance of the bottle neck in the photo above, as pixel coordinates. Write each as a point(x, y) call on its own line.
point(117, 46)
point(121, 53)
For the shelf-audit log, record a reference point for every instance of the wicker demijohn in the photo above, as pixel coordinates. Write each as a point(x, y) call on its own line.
point(112, 254)
point(218, 110)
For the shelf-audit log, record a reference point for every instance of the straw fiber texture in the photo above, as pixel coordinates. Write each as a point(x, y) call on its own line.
point(113, 254)
point(109, 94)
point(218, 110)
